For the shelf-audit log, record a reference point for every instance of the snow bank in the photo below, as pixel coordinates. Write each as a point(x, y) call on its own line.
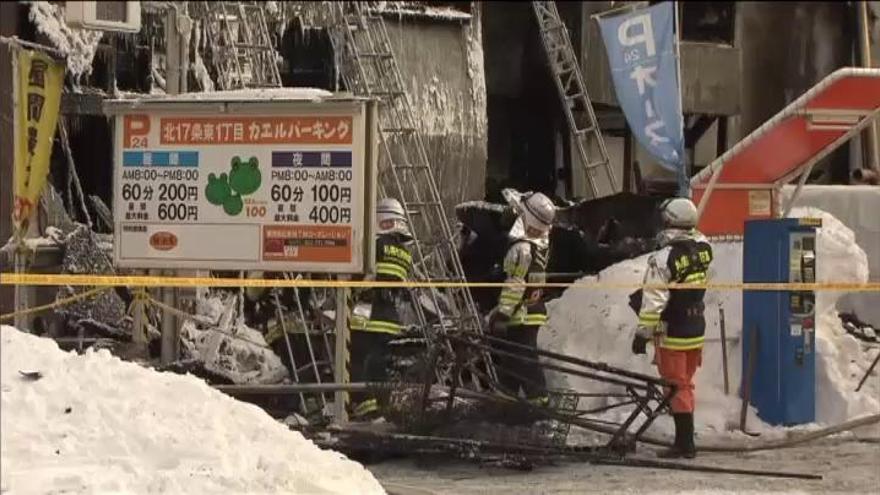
point(597, 324)
point(96, 424)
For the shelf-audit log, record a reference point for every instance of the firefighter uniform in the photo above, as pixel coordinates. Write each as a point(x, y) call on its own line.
point(674, 320)
point(375, 320)
point(525, 313)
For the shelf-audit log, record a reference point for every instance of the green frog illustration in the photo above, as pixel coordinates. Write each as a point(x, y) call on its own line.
point(245, 177)
point(217, 191)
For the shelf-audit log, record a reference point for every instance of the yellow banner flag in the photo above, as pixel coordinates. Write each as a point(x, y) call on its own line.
point(38, 91)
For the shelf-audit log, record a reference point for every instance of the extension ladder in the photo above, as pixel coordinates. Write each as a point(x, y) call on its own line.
point(584, 126)
point(368, 67)
point(241, 47)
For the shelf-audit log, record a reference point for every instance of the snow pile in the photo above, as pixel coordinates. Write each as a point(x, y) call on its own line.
point(79, 45)
point(598, 325)
point(96, 424)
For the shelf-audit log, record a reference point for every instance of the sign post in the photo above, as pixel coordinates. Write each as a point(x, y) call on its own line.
point(271, 181)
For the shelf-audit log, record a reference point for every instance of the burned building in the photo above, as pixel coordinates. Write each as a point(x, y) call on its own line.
point(476, 77)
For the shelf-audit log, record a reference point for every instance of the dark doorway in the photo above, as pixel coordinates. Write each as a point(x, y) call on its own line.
point(525, 120)
point(308, 58)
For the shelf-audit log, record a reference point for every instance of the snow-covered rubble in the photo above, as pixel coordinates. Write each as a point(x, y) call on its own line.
point(96, 424)
point(79, 45)
point(598, 325)
point(229, 348)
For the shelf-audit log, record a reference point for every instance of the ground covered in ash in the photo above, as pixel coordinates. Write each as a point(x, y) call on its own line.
point(848, 466)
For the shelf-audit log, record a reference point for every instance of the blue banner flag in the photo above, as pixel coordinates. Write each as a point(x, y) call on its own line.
point(641, 53)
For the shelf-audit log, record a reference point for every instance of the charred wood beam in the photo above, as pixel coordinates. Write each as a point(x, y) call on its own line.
point(695, 131)
point(90, 103)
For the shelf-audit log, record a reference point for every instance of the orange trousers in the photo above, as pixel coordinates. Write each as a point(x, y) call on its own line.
point(679, 368)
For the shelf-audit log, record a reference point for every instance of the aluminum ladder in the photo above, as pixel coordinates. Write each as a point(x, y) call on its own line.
point(369, 68)
point(569, 79)
point(241, 47)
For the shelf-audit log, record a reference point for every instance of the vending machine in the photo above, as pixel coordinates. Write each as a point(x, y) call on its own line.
point(779, 326)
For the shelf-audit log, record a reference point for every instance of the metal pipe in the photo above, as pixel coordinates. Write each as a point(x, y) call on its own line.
point(797, 191)
point(279, 314)
point(870, 369)
point(587, 364)
point(342, 358)
point(300, 388)
point(561, 369)
point(724, 350)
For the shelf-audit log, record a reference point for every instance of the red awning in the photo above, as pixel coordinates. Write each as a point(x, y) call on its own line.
point(747, 176)
point(825, 116)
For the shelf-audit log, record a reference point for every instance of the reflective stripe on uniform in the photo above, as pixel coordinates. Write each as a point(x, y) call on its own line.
point(391, 270)
point(649, 319)
point(516, 271)
point(366, 407)
point(529, 319)
point(383, 327)
point(357, 323)
point(696, 278)
point(682, 344)
point(508, 299)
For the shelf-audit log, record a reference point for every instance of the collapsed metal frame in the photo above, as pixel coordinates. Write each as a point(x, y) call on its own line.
point(648, 396)
point(643, 391)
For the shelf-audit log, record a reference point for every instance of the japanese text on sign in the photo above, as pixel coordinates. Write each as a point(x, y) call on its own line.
point(288, 197)
point(329, 130)
point(39, 80)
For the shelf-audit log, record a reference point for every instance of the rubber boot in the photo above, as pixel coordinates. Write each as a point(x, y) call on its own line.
point(687, 439)
point(678, 448)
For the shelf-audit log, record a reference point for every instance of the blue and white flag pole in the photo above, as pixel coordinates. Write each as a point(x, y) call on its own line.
point(642, 49)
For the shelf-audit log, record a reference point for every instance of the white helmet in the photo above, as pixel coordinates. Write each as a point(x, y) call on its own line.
point(392, 218)
point(538, 212)
point(679, 213)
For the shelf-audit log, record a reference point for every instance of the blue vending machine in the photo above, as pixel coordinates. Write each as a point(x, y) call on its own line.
point(780, 325)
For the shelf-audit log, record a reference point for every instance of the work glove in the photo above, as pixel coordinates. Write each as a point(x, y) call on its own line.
point(498, 322)
point(641, 339)
point(640, 345)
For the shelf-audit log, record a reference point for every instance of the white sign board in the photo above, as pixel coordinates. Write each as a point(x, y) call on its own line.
point(247, 185)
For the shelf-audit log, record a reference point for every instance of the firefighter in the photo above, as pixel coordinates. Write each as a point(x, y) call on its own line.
point(520, 311)
point(673, 319)
point(375, 320)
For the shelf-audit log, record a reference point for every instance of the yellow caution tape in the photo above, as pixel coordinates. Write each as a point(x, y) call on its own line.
point(151, 281)
point(56, 304)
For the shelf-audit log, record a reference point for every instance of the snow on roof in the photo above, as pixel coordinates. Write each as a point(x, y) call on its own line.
point(79, 45)
point(254, 94)
point(96, 424)
point(412, 9)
